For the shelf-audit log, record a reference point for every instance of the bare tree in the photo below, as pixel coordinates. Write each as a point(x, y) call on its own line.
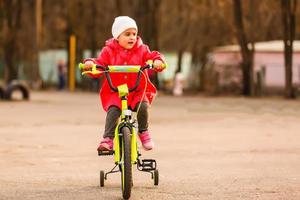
point(12, 10)
point(183, 19)
point(211, 28)
point(1, 35)
point(289, 21)
point(28, 48)
point(247, 53)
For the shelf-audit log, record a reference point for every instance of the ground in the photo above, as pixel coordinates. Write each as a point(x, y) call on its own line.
point(206, 148)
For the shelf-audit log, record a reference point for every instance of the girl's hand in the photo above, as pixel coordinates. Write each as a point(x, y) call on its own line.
point(158, 65)
point(88, 65)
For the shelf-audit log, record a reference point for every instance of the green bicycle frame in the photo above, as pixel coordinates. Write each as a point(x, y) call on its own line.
point(134, 154)
point(123, 92)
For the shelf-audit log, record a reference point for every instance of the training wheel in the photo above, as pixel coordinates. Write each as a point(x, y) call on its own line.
point(101, 178)
point(156, 177)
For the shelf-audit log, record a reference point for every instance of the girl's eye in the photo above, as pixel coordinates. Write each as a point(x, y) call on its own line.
point(128, 34)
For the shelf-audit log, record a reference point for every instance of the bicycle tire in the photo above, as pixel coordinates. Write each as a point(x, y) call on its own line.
point(126, 168)
point(14, 86)
point(156, 177)
point(102, 176)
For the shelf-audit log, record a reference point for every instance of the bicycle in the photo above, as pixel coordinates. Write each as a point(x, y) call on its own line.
point(125, 149)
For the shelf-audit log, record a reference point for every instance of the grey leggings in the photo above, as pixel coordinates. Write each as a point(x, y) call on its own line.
point(114, 113)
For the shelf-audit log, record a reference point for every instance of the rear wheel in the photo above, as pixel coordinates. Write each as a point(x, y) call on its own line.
point(156, 177)
point(101, 178)
point(126, 167)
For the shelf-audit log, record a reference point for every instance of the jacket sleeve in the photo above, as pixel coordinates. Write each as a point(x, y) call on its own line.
point(153, 55)
point(102, 59)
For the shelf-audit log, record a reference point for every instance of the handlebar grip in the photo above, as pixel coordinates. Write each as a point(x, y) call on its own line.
point(165, 65)
point(80, 65)
point(149, 62)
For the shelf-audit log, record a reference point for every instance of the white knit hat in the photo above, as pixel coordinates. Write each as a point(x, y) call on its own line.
point(121, 24)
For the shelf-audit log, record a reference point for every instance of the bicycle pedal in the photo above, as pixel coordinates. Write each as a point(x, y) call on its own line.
point(148, 165)
point(106, 153)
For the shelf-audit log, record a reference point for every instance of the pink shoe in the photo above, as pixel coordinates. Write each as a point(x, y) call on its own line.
point(106, 144)
point(146, 140)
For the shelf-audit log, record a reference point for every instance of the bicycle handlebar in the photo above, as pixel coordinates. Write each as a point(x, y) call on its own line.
point(119, 68)
point(106, 73)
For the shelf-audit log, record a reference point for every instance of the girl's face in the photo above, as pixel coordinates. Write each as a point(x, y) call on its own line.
point(127, 39)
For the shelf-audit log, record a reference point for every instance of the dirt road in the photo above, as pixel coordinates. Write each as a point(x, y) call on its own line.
point(206, 148)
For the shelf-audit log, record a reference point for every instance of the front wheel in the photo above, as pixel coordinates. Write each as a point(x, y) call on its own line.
point(126, 167)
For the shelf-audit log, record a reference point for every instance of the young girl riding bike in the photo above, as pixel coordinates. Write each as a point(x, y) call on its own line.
point(126, 48)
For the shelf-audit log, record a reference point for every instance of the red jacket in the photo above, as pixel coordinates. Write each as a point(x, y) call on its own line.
point(114, 54)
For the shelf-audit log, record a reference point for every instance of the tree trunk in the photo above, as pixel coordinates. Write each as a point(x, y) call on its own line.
point(10, 66)
point(203, 61)
point(288, 19)
point(12, 19)
point(119, 7)
point(1, 38)
point(94, 31)
point(184, 20)
point(36, 41)
point(247, 54)
point(179, 61)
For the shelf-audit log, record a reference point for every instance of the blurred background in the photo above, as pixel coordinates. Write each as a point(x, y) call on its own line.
point(217, 47)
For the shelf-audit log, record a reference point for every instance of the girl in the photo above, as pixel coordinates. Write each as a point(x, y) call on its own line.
point(126, 48)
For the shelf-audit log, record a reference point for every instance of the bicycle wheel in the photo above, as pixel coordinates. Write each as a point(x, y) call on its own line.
point(102, 176)
point(126, 170)
point(156, 177)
